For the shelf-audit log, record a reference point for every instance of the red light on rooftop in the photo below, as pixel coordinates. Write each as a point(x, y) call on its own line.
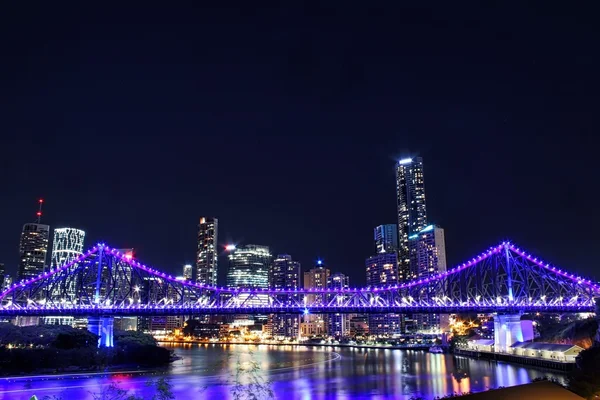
point(41, 200)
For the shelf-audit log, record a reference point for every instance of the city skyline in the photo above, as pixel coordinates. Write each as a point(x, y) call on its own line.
point(505, 126)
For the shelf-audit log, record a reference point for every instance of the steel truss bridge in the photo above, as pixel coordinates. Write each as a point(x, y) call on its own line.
point(104, 283)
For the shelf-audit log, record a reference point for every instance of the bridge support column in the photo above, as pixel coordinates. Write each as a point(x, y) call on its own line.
point(597, 338)
point(103, 327)
point(507, 331)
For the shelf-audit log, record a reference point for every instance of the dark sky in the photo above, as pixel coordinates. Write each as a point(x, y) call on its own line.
point(285, 122)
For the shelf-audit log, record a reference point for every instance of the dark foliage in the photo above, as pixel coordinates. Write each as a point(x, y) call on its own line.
point(60, 348)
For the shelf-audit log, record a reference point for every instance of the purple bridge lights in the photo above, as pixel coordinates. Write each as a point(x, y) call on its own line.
point(103, 283)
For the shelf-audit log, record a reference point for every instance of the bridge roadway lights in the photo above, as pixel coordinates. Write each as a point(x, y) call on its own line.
point(103, 327)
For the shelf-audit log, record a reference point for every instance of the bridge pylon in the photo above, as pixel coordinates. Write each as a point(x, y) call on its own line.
point(103, 327)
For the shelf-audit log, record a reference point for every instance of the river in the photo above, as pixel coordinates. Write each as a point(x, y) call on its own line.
point(290, 372)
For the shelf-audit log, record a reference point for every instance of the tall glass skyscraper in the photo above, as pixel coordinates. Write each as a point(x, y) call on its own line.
point(67, 245)
point(207, 254)
point(412, 211)
point(249, 267)
point(33, 248)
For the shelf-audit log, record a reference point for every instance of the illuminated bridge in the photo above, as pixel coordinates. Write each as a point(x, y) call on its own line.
point(103, 283)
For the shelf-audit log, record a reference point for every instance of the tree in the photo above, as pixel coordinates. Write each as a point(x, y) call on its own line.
point(190, 326)
point(585, 380)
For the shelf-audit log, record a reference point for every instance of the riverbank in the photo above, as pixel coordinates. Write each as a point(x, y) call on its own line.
point(536, 362)
point(344, 345)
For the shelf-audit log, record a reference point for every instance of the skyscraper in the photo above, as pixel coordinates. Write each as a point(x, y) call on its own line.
point(427, 258)
point(67, 245)
point(338, 324)
point(33, 248)
point(249, 267)
point(207, 254)
point(386, 238)
point(285, 274)
point(412, 211)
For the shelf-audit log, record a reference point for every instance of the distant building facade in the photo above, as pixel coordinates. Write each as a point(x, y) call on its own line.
point(33, 249)
point(207, 254)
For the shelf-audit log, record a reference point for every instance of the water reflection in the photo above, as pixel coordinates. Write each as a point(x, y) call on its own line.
point(288, 372)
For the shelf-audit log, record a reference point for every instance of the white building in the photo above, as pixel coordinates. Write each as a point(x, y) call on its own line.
point(547, 351)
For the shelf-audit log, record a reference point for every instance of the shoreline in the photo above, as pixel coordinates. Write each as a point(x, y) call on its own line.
point(357, 346)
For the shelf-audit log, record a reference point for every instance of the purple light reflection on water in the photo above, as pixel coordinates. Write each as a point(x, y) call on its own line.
point(206, 371)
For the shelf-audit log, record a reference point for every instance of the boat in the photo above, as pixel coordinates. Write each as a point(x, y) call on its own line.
point(436, 349)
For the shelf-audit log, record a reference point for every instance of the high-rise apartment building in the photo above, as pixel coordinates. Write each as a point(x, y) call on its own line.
point(285, 274)
point(428, 258)
point(338, 324)
point(412, 211)
point(67, 245)
point(207, 254)
point(187, 272)
point(33, 248)
point(249, 267)
point(386, 238)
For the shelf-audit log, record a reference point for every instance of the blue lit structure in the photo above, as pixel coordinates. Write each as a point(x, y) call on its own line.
point(108, 283)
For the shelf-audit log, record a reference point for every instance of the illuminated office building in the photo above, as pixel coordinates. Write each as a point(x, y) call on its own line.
point(207, 254)
point(249, 267)
point(33, 248)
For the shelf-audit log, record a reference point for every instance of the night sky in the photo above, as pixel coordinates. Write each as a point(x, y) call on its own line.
point(285, 122)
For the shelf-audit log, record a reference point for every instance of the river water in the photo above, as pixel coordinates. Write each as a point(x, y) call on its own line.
point(291, 372)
